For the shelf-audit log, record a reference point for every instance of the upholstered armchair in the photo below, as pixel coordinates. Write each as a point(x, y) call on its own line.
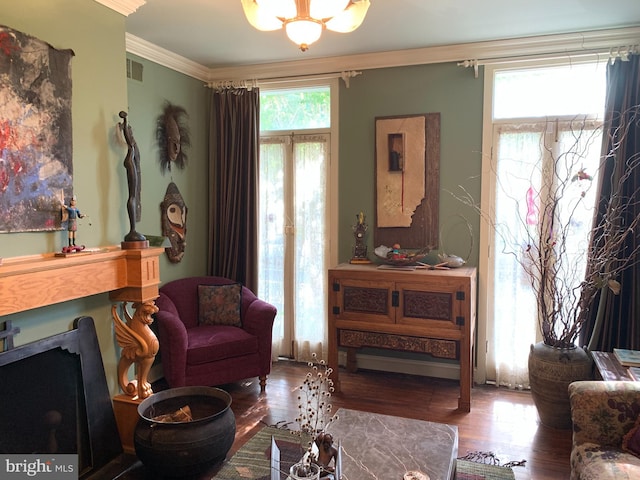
point(606, 437)
point(213, 331)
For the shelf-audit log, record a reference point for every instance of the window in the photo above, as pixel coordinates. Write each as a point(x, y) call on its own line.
point(535, 113)
point(295, 226)
point(295, 109)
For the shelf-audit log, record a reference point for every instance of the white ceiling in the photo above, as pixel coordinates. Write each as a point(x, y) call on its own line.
point(215, 33)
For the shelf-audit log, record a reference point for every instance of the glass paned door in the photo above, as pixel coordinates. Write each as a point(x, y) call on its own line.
point(293, 219)
point(523, 177)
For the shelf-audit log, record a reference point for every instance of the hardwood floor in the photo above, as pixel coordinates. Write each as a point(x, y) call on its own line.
point(501, 421)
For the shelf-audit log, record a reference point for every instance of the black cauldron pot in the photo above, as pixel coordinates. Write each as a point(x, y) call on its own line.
point(183, 449)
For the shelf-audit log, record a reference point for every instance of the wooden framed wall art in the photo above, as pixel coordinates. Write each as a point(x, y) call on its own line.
point(407, 172)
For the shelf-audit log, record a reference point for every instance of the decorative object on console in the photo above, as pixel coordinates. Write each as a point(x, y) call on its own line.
point(360, 248)
point(37, 132)
point(174, 222)
point(401, 256)
point(172, 137)
point(132, 239)
point(304, 20)
point(452, 261)
point(139, 345)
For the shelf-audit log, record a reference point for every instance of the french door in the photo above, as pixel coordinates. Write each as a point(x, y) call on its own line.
point(523, 152)
point(293, 239)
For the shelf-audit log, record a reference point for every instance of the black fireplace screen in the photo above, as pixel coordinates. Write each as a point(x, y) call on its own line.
point(54, 399)
point(41, 398)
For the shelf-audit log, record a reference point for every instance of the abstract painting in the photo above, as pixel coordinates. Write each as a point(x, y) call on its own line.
point(36, 148)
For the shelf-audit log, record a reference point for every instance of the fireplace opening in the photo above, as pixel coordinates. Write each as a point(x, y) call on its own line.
point(41, 398)
point(55, 399)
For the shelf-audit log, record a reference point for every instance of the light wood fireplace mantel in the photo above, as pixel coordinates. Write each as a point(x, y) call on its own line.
point(40, 280)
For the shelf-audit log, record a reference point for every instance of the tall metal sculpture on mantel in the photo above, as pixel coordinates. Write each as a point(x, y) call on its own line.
point(132, 239)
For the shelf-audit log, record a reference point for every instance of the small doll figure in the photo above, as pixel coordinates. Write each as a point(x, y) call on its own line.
point(72, 214)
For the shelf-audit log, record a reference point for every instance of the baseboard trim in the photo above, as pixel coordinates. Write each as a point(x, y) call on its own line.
point(402, 365)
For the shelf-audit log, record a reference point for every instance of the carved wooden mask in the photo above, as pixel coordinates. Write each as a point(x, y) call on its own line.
point(172, 137)
point(174, 222)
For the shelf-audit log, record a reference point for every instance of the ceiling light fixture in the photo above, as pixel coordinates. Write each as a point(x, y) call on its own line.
point(304, 20)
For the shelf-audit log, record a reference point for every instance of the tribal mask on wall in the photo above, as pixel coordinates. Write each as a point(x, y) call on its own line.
point(172, 137)
point(174, 222)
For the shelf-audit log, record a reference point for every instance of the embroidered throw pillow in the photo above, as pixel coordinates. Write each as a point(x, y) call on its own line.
point(220, 304)
point(631, 441)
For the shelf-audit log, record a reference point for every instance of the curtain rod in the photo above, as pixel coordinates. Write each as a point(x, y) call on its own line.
point(612, 53)
point(249, 84)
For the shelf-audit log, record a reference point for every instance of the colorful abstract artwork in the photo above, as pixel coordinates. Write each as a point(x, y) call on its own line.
point(36, 161)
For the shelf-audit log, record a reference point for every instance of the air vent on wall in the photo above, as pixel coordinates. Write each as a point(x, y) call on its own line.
point(134, 70)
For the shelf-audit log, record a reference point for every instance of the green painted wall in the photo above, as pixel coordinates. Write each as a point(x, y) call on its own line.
point(446, 88)
point(100, 90)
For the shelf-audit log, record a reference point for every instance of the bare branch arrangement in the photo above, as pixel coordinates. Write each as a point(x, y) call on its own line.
point(542, 241)
point(314, 409)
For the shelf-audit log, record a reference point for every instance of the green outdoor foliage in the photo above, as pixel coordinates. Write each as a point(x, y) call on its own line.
point(295, 109)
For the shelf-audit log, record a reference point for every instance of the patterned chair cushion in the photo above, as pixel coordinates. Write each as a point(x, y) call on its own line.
point(220, 304)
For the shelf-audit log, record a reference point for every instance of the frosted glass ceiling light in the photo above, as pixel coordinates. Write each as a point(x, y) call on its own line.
point(304, 20)
point(303, 32)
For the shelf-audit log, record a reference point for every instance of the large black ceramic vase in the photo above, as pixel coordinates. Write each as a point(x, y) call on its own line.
point(551, 370)
point(184, 448)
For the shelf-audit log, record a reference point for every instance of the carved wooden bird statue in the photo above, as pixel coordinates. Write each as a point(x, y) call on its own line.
point(139, 345)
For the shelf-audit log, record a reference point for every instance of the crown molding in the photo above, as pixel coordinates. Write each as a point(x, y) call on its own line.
point(124, 7)
point(166, 58)
point(560, 45)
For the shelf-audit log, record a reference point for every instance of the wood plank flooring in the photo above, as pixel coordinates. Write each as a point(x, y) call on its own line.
point(501, 421)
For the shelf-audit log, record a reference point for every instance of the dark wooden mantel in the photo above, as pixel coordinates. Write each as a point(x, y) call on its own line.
point(40, 280)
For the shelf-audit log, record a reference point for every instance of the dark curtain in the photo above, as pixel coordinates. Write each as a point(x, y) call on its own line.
point(615, 319)
point(233, 231)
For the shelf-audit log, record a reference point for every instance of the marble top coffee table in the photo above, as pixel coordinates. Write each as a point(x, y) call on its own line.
point(384, 447)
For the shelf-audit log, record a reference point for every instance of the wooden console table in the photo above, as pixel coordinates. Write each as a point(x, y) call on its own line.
point(426, 311)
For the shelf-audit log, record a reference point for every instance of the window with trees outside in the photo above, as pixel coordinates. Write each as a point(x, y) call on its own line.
point(295, 146)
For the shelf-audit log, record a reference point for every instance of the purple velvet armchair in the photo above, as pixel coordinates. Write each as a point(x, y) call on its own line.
point(195, 354)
